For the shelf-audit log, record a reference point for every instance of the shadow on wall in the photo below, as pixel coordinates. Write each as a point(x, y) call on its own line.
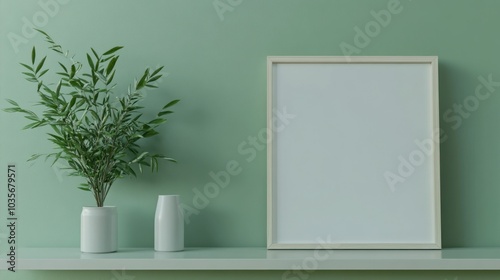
point(462, 170)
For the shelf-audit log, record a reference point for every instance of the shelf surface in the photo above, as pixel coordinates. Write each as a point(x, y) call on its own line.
point(254, 258)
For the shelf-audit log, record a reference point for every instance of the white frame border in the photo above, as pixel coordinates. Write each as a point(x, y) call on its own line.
point(271, 227)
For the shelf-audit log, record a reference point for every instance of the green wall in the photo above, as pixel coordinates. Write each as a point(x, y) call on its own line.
point(215, 56)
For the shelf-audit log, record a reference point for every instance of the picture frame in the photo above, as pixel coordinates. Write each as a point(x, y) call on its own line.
point(353, 152)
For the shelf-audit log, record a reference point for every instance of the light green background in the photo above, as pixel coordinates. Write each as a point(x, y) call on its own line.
point(216, 66)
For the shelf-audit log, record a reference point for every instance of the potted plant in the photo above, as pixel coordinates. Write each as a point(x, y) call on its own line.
point(95, 131)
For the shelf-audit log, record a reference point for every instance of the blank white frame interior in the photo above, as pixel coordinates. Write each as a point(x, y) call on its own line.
point(353, 153)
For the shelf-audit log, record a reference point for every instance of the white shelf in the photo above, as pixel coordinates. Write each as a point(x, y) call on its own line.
point(257, 259)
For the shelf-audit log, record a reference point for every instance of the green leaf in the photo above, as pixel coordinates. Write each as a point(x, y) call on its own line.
point(27, 67)
point(32, 118)
point(28, 74)
point(34, 157)
point(154, 78)
point(91, 63)
point(111, 65)
point(135, 108)
point(57, 157)
point(76, 84)
point(139, 157)
point(33, 56)
point(11, 110)
point(107, 58)
point(56, 128)
point(65, 75)
point(110, 79)
point(101, 76)
point(43, 73)
point(142, 81)
point(157, 121)
point(112, 50)
point(72, 102)
point(171, 103)
point(41, 31)
point(63, 67)
point(164, 113)
point(95, 53)
point(137, 136)
point(73, 71)
point(12, 102)
point(58, 88)
point(94, 114)
point(31, 125)
point(154, 164)
point(150, 133)
point(57, 49)
point(56, 137)
point(156, 71)
point(84, 189)
point(40, 65)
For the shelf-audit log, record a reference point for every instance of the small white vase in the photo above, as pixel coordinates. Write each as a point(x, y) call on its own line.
point(169, 224)
point(99, 230)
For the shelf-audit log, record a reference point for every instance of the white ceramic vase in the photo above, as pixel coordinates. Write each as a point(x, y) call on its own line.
point(169, 224)
point(99, 230)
